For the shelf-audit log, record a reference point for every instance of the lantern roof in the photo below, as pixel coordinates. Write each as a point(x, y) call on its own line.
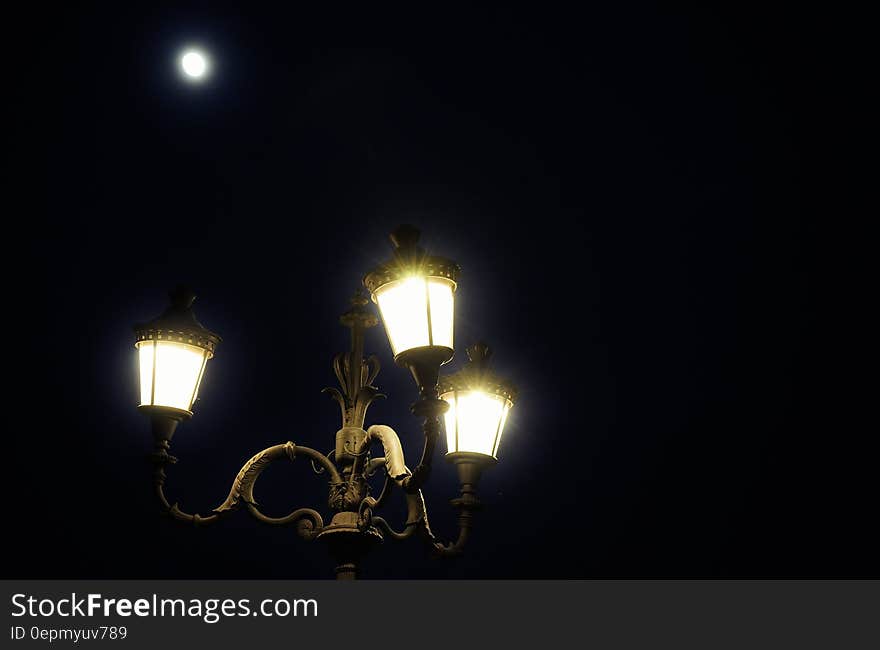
point(409, 259)
point(179, 324)
point(476, 375)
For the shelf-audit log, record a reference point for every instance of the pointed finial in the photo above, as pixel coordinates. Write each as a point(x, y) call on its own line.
point(479, 353)
point(359, 314)
point(181, 297)
point(178, 321)
point(360, 298)
point(405, 236)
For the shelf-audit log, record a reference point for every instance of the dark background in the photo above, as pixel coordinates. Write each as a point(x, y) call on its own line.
point(629, 192)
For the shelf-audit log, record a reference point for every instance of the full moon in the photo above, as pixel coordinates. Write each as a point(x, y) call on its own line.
point(194, 64)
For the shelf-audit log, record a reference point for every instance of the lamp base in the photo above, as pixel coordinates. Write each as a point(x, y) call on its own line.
point(424, 364)
point(164, 420)
point(470, 466)
point(348, 543)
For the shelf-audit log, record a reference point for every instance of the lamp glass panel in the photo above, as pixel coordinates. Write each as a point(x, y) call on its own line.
point(404, 305)
point(501, 428)
point(442, 311)
point(475, 421)
point(145, 365)
point(178, 373)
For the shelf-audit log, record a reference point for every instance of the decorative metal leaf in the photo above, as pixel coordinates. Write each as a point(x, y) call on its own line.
point(340, 370)
point(340, 399)
point(373, 366)
point(243, 486)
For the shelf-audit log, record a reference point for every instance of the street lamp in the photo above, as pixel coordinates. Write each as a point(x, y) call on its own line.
point(415, 295)
point(479, 403)
point(173, 351)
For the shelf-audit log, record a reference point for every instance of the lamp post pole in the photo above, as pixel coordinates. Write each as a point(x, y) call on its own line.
point(348, 536)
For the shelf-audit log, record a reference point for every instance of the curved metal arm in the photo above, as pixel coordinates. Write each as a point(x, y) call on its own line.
point(417, 521)
point(243, 486)
point(161, 458)
point(387, 488)
point(411, 481)
point(309, 521)
point(465, 523)
point(373, 465)
point(416, 518)
point(417, 513)
point(408, 531)
point(432, 409)
point(394, 461)
point(396, 472)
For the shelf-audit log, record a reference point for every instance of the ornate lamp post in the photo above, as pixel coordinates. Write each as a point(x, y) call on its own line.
point(415, 295)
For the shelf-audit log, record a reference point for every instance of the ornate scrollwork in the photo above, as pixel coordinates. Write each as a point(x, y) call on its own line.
point(308, 521)
point(242, 490)
point(347, 495)
point(355, 524)
point(243, 485)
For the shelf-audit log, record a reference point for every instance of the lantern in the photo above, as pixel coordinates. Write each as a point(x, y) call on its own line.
point(479, 403)
point(415, 293)
point(173, 351)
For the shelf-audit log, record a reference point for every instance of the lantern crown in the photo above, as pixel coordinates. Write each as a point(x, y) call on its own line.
point(178, 323)
point(409, 259)
point(477, 375)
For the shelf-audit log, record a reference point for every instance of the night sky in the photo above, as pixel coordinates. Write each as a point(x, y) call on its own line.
point(626, 191)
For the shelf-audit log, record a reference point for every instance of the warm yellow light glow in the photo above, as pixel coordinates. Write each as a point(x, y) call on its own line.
point(170, 373)
point(417, 311)
point(442, 311)
point(475, 421)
